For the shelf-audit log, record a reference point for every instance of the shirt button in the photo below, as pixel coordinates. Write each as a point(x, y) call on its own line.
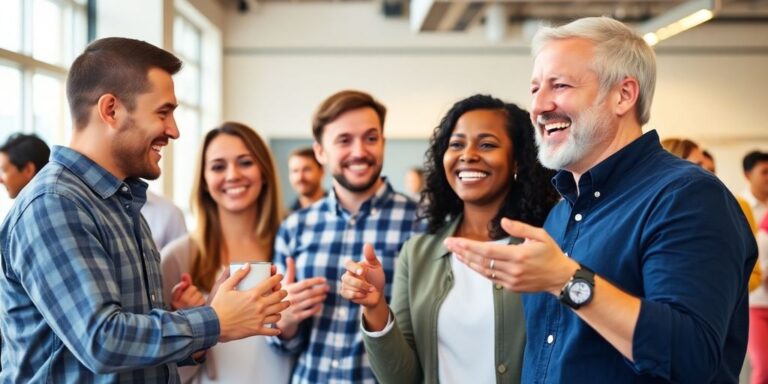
point(498, 286)
point(152, 296)
point(597, 194)
point(578, 217)
point(343, 312)
point(127, 206)
point(501, 368)
point(352, 221)
point(550, 339)
point(335, 363)
point(124, 188)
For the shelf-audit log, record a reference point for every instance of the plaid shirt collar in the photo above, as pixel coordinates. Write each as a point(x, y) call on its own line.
point(380, 198)
point(98, 179)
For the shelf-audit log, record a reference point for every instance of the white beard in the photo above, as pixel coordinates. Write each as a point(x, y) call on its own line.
point(586, 132)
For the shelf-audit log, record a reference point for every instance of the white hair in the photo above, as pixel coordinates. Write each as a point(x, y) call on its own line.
point(619, 52)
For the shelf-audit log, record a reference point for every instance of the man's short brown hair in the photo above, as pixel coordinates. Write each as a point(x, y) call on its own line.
point(114, 65)
point(306, 152)
point(340, 103)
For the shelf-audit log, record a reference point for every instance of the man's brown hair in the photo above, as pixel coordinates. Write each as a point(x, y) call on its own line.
point(307, 152)
point(341, 102)
point(114, 65)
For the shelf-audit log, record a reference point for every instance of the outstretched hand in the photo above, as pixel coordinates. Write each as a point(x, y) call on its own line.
point(536, 265)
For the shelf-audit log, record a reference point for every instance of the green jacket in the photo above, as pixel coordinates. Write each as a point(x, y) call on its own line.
point(423, 278)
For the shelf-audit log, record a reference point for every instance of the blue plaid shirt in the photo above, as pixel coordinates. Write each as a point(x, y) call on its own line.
point(320, 238)
point(80, 293)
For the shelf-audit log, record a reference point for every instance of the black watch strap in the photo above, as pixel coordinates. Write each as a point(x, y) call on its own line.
point(582, 276)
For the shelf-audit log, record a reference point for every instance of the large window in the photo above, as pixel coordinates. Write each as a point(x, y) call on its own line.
point(187, 44)
point(38, 41)
point(197, 42)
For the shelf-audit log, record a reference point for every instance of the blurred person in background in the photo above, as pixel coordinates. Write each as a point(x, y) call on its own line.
point(165, 219)
point(21, 158)
point(414, 182)
point(305, 174)
point(755, 167)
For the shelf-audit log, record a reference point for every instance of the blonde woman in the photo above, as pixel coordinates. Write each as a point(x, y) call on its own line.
point(235, 199)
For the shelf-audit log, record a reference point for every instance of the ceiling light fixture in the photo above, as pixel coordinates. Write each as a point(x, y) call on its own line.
point(678, 19)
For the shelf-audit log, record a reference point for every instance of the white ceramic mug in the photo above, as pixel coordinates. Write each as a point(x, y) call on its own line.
point(260, 271)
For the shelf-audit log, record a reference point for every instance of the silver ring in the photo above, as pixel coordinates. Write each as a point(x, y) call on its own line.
point(493, 276)
point(493, 261)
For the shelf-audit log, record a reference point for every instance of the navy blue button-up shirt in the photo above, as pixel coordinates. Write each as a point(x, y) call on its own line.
point(80, 292)
point(666, 231)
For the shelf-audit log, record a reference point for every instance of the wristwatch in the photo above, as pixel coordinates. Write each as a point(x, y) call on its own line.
point(579, 289)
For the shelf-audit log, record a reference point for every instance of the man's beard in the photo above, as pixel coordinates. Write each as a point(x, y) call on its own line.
point(585, 133)
point(357, 188)
point(129, 155)
point(307, 189)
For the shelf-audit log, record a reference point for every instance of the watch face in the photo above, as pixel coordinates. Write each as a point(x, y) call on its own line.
point(580, 292)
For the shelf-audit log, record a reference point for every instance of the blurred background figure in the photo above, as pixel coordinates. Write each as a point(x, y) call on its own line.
point(165, 219)
point(305, 174)
point(709, 161)
point(236, 203)
point(755, 167)
point(414, 182)
point(21, 158)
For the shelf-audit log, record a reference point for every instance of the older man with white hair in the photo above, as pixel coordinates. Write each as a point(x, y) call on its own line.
point(640, 272)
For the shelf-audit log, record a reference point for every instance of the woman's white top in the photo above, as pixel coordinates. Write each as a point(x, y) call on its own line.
point(465, 329)
point(249, 360)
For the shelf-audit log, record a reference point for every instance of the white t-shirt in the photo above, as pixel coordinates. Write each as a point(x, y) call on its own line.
point(465, 329)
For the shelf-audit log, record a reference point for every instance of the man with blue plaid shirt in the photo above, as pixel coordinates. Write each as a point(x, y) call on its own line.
point(313, 243)
point(80, 292)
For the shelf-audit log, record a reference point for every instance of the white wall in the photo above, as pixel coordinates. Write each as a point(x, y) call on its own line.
point(281, 60)
point(137, 19)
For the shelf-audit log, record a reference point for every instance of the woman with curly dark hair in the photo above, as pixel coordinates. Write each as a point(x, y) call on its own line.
point(447, 323)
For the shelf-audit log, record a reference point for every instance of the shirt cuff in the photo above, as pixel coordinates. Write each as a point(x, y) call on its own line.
point(205, 326)
point(652, 340)
point(376, 334)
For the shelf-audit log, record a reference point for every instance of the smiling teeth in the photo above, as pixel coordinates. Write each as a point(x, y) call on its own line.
point(556, 126)
point(157, 148)
point(358, 167)
point(235, 191)
point(472, 175)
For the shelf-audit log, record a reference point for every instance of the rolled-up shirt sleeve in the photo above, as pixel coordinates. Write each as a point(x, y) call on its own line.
point(55, 253)
point(695, 267)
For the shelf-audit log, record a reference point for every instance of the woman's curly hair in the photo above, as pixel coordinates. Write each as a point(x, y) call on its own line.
point(531, 195)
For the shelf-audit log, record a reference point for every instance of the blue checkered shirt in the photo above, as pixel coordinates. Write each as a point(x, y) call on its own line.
point(319, 238)
point(80, 290)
